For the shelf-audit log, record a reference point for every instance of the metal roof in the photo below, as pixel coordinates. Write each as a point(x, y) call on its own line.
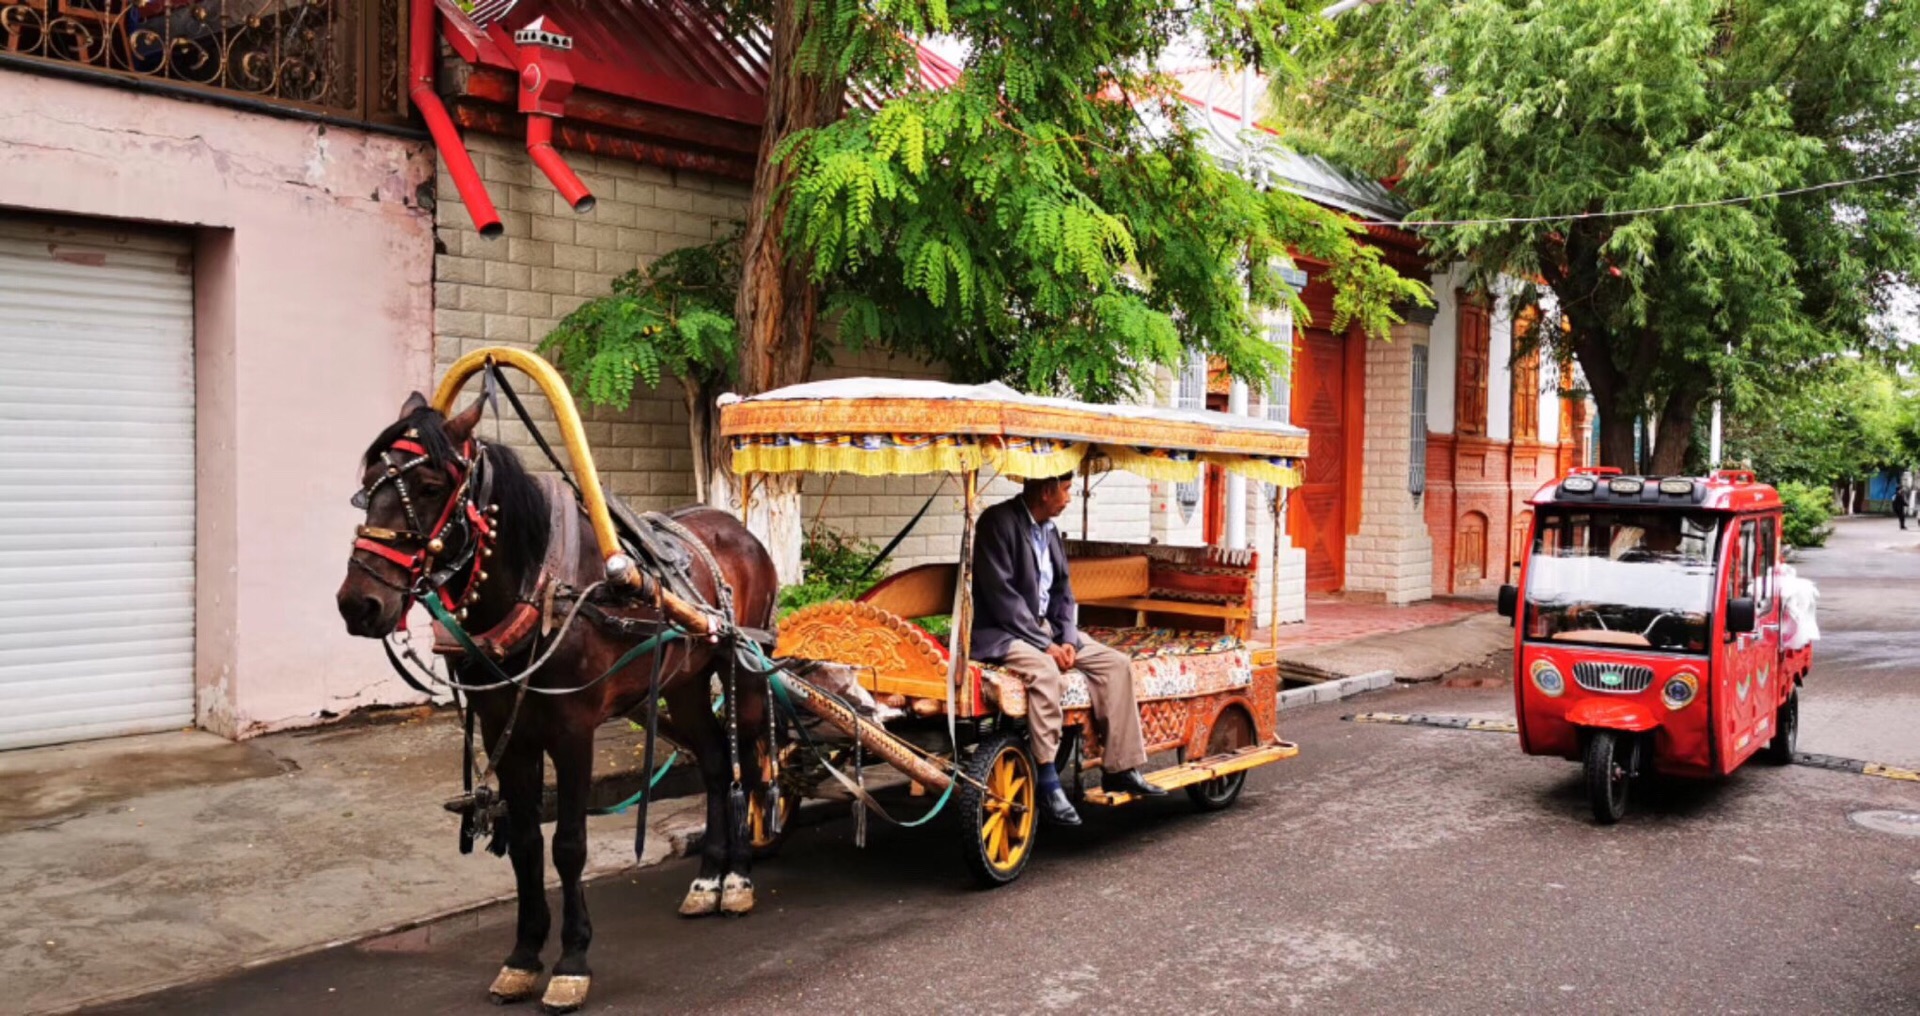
point(675, 53)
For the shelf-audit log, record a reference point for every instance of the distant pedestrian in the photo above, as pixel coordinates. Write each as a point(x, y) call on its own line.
point(1903, 499)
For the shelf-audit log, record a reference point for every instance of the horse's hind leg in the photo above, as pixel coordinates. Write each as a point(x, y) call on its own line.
point(573, 772)
point(737, 889)
point(692, 710)
point(521, 776)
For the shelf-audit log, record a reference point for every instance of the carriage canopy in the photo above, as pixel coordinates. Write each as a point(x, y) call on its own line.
point(895, 427)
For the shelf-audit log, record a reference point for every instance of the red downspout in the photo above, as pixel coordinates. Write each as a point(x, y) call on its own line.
point(420, 56)
point(540, 146)
point(546, 80)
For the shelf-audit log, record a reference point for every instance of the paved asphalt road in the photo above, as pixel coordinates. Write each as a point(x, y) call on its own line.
point(1387, 869)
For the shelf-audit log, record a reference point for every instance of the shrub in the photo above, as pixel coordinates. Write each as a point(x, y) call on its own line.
point(1809, 509)
point(835, 569)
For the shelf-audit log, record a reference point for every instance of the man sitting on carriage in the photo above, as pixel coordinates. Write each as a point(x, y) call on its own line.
point(1024, 619)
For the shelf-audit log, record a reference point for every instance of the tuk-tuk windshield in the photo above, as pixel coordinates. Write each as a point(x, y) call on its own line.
point(1622, 578)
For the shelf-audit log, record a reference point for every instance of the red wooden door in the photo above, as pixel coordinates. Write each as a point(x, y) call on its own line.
point(1318, 512)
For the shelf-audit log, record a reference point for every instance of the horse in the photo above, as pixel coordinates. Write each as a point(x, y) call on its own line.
point(486, 556)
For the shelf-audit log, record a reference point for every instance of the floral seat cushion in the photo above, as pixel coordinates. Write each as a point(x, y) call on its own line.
point(1167, 664)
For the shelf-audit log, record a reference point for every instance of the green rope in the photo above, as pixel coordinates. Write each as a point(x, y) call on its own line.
point(658, 775)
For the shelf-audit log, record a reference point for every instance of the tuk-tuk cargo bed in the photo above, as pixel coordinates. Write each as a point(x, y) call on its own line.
point(1202, 770)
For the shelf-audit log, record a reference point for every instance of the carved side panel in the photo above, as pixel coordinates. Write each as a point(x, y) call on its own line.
point(895, 656)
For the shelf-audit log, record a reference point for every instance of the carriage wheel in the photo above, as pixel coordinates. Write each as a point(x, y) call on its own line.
point(760, 834)
point(997, 824)
point(1232, 730)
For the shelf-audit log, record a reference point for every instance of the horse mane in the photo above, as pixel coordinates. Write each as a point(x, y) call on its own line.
point(522, 545)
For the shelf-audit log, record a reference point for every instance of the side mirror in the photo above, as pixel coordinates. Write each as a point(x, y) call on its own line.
point(1740, 616)
point(1509, 601)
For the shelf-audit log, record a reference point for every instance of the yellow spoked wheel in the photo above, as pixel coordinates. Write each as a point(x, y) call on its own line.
point(760, 825)
point(998, 823)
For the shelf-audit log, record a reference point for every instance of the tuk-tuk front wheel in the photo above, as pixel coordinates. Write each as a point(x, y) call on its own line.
point(1609, 773)
point(1786, 731)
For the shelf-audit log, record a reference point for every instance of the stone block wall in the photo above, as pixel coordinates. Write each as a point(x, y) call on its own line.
point(513, 290)
point(1391, 556)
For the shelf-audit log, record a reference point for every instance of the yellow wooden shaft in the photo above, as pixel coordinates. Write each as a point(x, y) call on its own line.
point(555, 389)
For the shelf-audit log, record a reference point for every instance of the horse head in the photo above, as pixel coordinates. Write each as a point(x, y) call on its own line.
point(433, 495)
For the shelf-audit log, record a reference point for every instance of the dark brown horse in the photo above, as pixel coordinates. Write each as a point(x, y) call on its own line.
point(469, 519)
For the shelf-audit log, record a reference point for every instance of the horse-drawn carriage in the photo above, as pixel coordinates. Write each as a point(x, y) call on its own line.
point(557, 611)
point(1182, 614)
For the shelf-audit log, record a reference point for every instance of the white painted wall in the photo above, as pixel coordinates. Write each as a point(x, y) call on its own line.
point(1499, 365)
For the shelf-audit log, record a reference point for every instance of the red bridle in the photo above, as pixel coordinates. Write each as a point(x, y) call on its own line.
point(460, 505)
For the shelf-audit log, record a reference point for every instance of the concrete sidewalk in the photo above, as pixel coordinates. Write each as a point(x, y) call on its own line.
point(142, 862)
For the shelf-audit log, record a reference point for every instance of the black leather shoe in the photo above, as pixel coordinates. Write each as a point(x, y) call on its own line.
point(1055, 808)
point(1129, 782)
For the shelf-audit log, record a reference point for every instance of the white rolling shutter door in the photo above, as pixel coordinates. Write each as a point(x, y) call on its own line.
point(96, 482)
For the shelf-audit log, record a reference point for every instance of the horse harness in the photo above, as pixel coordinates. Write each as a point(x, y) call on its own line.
point(659, 544)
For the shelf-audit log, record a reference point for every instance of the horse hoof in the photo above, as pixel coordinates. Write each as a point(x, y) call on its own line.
point(703, 898)
point(736, 895)
point(565, 993)
point(513, 986)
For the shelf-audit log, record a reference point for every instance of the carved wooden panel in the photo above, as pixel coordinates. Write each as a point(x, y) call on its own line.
point(896, 657)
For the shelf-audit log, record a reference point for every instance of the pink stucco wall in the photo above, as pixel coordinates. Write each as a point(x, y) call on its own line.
point(313, 319)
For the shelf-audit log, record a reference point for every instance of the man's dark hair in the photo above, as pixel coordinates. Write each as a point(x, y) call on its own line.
point(1035, 484)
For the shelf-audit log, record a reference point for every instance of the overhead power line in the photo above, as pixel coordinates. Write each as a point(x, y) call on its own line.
point(1629, 212)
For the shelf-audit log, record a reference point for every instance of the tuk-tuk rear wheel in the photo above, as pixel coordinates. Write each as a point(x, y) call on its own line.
point(1786, 731)
point(1609, 773)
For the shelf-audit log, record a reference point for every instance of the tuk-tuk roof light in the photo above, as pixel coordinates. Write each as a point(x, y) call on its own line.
point(1676, 485)
point(1577, 485)
point(1625, 485)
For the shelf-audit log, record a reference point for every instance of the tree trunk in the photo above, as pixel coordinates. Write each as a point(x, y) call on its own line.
point(778, 303)
point(712, 479)
point(1673, 438)
point(1593, 350)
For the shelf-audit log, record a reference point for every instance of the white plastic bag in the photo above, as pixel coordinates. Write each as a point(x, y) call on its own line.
point(1797, 597)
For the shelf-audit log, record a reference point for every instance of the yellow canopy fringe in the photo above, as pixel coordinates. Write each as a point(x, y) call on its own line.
point(1026, 458)
point(1151, 465)
point(808, 458)
point(1263, 470)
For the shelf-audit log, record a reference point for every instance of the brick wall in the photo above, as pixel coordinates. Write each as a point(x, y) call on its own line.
point(513, 290)
point(1391, 555)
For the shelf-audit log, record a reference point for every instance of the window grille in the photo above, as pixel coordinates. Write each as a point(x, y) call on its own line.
point(1417, 425)
point(341, 59)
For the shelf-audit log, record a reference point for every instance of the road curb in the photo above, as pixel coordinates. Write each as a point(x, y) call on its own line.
point(1335, 690)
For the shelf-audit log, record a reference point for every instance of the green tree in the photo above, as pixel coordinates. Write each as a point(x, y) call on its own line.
point(1535, 122)
point(1052, 218)
point(1842, 419)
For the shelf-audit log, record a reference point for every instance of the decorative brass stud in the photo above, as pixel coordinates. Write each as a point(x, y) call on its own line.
point(436, 545)
point(486, 551)
point(483, 576)
point(462, 615)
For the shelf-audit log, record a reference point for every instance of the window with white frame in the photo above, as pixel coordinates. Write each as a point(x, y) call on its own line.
point(1191, 394)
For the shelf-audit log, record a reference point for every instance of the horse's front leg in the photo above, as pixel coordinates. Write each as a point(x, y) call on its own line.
point(693, 718)
point(521, 774)
point(573, 772)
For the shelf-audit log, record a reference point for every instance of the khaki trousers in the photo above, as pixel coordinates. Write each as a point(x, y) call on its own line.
point(1109, 675)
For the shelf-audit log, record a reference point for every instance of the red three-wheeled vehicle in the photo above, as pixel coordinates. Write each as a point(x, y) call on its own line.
point(1648, 629)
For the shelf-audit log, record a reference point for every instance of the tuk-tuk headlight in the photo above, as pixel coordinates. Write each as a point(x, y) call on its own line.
point(1679, 690)
point(1546, 677)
